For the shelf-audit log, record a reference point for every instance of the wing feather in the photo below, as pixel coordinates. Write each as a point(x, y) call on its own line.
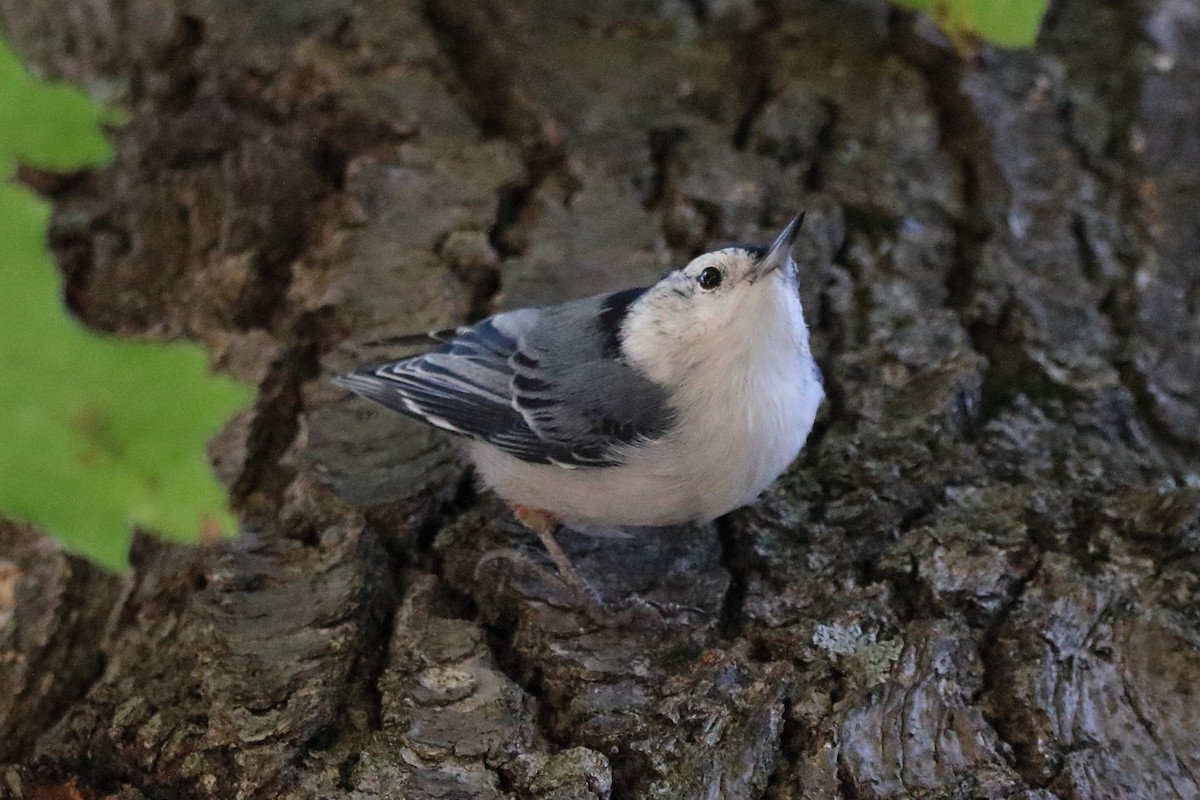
point(537, 383)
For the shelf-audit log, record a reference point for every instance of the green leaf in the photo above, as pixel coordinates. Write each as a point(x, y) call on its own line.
point(1005, 23)
point(47, 125)
point(97, 435)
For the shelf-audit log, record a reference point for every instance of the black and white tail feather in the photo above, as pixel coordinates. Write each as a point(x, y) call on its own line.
point(535, 383)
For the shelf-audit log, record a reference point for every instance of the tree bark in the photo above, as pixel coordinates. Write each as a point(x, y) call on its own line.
point(979, 579)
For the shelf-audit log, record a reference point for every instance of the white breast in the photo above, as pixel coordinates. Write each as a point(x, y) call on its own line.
point(741, 422)
point(730, 448)
point(741, 437)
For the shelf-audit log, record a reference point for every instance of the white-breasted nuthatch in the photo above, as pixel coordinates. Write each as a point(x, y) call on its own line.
point(643, 407)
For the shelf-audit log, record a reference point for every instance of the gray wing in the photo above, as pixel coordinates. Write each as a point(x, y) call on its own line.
point(544, 385)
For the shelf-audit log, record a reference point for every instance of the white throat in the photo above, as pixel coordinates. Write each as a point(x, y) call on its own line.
point(692, 352)
point(745, 402)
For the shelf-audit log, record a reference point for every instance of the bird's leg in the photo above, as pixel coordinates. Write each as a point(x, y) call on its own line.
point(633, 612)
point(544, 524)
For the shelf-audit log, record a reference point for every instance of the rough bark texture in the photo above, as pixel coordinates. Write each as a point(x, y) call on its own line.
point(980, 579)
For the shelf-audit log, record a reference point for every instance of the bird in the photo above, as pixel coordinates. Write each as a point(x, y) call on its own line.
point(644, 407)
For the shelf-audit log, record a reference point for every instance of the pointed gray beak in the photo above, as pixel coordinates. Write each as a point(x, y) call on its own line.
point(781, 252)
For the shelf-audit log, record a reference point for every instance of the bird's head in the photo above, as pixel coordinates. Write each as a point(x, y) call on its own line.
point(722, 303)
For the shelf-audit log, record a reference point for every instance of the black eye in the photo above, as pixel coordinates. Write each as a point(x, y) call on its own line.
point(709, 278)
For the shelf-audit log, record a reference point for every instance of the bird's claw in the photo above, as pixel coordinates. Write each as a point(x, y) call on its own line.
point(577, 592)
point(630, 612)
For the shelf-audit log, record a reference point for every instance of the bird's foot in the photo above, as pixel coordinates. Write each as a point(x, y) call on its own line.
point(577, 592)
point(544, 524)
point(633, 612)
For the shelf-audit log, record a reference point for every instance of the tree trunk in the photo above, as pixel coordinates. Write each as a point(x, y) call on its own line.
point(979, 579)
